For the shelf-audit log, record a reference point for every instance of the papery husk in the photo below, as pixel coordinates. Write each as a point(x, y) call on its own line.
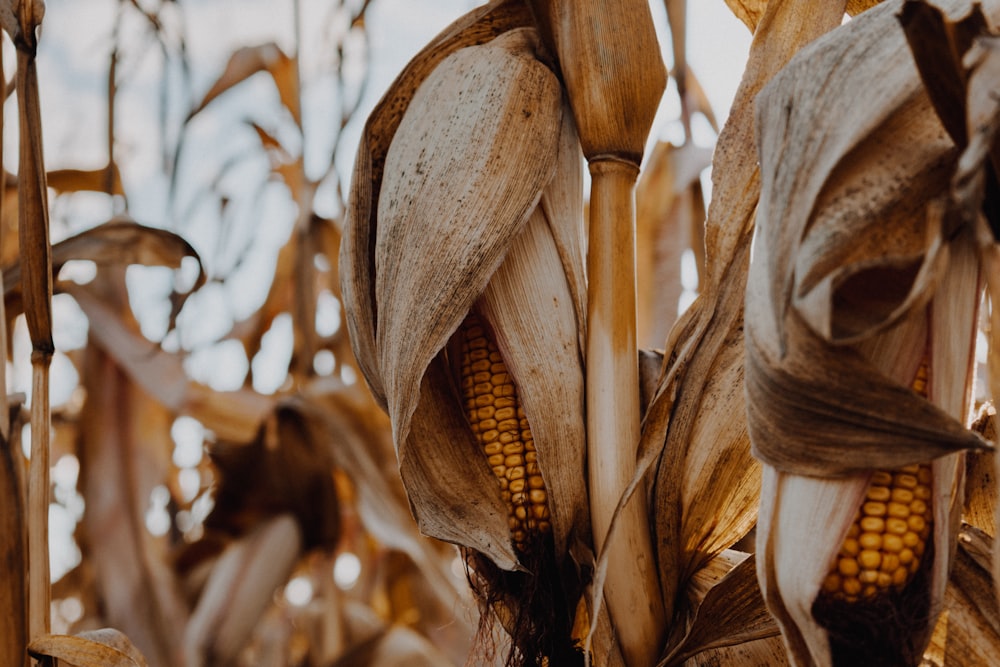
point(982, 494)
point(860, 280)
point(477, 146)
point(357, 253)
point(751, 11)
point(704, 497)
point(725, 609)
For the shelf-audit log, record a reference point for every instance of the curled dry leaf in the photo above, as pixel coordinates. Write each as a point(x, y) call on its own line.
point(106, 647)
point(115, 243)
point(864, 290)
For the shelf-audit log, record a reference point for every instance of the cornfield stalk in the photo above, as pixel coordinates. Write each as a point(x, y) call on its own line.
point(614, 76)
point(33, 230)
point(631, 586)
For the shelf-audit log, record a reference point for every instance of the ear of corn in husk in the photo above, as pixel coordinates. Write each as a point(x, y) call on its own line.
point(464, 237)
point(862, 280)
point(707, 483)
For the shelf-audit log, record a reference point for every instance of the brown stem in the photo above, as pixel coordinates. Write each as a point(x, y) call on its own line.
point(631, 587)
point(39, 586)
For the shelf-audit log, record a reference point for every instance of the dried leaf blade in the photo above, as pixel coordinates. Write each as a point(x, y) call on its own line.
point(99, 648)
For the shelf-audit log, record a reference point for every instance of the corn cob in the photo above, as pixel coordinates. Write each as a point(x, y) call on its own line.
point(501, 428)
point(884, 545)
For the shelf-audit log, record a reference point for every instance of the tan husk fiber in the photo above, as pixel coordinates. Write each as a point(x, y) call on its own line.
point(358, 246)
point(485, 144)
point(838, 274)
point(857, 275)
point(694, 430)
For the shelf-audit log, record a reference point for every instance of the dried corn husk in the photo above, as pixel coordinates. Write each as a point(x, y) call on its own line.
point(476, 204)
point(707, 483)
point(751, 11)
point(863, 276)
point(106, 647)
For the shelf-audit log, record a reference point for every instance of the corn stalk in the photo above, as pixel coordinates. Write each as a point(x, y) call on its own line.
point(609, 57)
point(22, 22)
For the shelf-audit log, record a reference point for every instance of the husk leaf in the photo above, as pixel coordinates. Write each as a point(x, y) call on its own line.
point(106, 647)
point(529, 305)
point(730, 612)
point(357, 249)
point(972, 628)
point(706, 342)
point(820, 293)
point(472, 154)
point(864, 275)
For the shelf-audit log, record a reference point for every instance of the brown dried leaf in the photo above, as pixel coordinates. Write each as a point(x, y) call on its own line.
point(731, 613)
point(249, 60)
point(767, 652)
point(13, 553)
point(707, 340)
point(115, 243)
point(982, 495)
point(973, 622)
point(33, 209)
point(233, 415)
point(97, 648)
point(105, 179)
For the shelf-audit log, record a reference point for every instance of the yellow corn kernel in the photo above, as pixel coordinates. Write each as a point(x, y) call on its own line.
point(883, 547)
point(502, 430)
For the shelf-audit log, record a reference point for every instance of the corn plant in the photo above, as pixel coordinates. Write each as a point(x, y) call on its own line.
point(533, 457)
